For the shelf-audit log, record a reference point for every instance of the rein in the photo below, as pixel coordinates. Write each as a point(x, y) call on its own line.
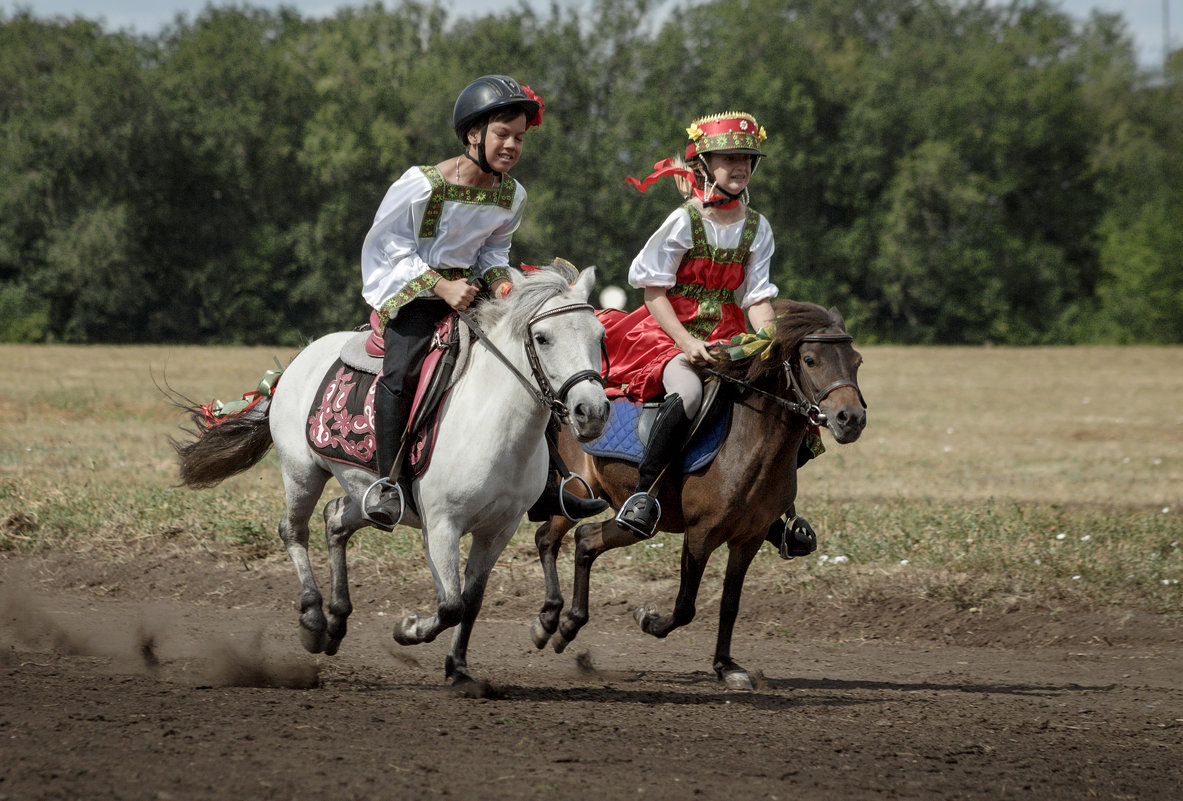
point(544, 393)
point(804, 404)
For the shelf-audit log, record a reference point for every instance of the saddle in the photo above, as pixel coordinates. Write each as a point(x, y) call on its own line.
point(341, 420)
point(630, 422)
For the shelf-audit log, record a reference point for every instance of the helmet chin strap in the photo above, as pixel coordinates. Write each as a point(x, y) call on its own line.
point(482, 161)
point(728, 200)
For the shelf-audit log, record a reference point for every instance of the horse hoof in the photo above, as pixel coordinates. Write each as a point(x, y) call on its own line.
point(331, 647)
point(465, 686)
point(559, 643)
point(738, 680)
point(642, 614)
point(313, 641)
point(539, 634)
point(402, 632)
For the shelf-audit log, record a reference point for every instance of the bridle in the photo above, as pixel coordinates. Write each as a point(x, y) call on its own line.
point(544, 393)
point(812, 400)
point(805, 403)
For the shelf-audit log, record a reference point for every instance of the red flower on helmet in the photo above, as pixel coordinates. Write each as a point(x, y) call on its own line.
point(537, 118)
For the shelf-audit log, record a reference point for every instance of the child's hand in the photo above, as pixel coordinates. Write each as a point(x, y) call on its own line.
point(697, 352)
point(458, 293)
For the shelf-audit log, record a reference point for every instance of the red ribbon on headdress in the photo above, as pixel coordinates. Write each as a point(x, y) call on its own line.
point(668, 167)
point(537, 118)
point(660, 170)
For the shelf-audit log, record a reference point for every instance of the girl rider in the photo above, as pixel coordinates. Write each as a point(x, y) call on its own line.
point(706, 265)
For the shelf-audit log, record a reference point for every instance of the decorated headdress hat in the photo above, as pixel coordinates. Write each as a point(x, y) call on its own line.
point(730, 132)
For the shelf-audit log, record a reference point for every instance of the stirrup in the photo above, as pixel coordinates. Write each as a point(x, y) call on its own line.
point(591, 498)
point(368, 512)
point(796, 537)
point(631, 525)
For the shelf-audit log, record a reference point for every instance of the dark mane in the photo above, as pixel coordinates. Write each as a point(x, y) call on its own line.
point(794, 320)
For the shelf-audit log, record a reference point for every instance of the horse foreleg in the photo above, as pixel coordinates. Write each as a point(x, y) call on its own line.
point(549, 538)
point(482, 556)
point(693, 565)
point(739, 558)
point(342, 518)
point(293, 530)
point(591, 540)
point(441, 542)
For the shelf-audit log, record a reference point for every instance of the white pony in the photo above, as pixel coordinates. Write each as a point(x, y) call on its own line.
point(489, 465)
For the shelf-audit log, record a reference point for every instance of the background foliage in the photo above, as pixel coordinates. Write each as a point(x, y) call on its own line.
point(943, 171)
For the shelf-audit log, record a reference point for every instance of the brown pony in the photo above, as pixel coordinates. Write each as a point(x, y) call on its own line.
point(811, 371)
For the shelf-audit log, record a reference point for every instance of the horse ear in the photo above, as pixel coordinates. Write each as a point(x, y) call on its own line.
point(586, 283)
point(836, 316)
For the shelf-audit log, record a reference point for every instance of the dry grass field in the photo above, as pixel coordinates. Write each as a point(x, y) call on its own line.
point(984, 473)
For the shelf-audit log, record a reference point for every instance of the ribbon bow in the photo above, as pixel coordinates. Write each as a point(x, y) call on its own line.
point(745, 346)
point(216, 411)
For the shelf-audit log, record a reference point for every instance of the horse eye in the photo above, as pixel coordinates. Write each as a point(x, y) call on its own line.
point(809, 361)
point(540, 339)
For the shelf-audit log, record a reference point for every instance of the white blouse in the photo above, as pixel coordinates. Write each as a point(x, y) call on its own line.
point(467, 235)
point(657, 263)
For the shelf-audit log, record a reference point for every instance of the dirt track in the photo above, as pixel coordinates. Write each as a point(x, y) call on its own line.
point(181, 677)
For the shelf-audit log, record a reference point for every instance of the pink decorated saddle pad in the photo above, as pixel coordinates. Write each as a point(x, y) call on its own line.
point(341, 419)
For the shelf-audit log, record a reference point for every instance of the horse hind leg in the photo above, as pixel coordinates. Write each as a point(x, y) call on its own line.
point(293, 530)
point(549, 538)
point(342, 518)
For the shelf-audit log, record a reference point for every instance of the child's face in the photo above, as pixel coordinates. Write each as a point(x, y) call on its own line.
point(503, 142)
point(730, 171)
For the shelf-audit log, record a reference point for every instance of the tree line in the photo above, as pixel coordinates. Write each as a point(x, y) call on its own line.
point(943, 171)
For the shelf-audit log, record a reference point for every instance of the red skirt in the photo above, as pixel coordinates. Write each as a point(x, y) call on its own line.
point(639, 348)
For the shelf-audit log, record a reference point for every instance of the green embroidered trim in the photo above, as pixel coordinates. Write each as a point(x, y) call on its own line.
point(702, 294)
point(409, 292)
point(700, 248)
point(728, 140)
point(495, 274)
point(441, 190)
point(454, 273)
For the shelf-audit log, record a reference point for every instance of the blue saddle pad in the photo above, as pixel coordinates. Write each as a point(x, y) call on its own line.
point(621, 441)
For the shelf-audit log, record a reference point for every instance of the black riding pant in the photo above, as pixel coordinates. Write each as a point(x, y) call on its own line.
point(407, 338)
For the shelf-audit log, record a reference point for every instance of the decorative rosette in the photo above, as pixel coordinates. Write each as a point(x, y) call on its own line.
point(537, 118)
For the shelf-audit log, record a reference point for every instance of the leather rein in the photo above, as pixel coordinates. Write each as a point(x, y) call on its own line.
point(806, 404)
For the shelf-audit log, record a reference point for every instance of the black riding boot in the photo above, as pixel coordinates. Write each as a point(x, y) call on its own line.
point(572, 507)
point(390, 420)
point(641, 512)
point(792, 535)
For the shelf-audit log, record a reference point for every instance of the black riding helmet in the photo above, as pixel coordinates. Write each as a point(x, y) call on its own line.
point(482, 97)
